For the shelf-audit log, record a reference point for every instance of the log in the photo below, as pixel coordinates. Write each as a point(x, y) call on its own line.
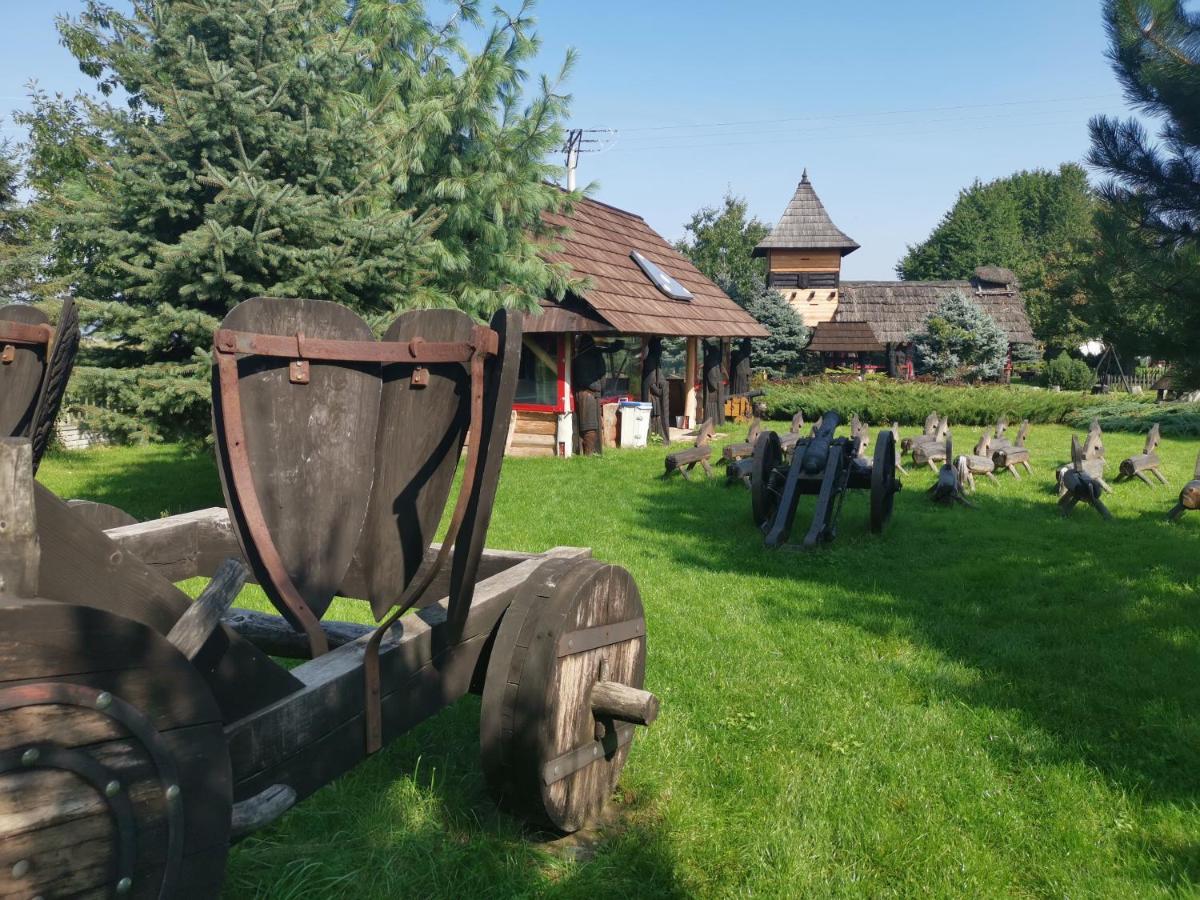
point(273, 635)
point(620, 701)
point(261, 810)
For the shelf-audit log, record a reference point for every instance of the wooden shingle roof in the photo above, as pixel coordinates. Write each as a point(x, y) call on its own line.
point(845, 337)
point(805, 225)
point(597, 244)
point(898, 309)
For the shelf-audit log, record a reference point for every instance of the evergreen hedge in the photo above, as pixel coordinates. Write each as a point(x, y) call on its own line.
point(884, 401)
point(1174, 419)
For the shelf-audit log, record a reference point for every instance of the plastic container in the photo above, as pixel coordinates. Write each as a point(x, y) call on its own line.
point(635, 423)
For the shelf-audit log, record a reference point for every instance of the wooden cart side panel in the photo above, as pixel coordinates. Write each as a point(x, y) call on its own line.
point(421, 673)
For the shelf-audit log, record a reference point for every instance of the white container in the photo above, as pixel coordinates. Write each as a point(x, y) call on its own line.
point(635, 424)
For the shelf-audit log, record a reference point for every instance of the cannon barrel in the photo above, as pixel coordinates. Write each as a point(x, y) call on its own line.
point(817, 450)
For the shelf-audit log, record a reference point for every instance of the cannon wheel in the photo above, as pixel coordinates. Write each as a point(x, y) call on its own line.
point(114, 770)
point(883, 481)
point(764, 496)
point(545, 755)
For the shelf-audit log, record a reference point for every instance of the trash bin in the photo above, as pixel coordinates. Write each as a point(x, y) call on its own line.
point(635, 423)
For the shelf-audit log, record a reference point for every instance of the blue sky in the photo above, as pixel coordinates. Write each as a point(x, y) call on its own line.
point(892, 106)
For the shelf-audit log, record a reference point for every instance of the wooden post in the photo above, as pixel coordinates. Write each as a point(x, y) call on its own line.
point(620, 701)
point(565, 433)
point(690, 375)
point(20, 554)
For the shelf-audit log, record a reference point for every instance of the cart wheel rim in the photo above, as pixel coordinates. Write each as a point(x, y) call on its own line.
point(764, 497)
point(883, 481)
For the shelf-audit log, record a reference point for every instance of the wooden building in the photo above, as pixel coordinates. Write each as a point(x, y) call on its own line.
point(868, 325)
point(639, 287)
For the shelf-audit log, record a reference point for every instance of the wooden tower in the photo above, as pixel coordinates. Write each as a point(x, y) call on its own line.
point(804, 255)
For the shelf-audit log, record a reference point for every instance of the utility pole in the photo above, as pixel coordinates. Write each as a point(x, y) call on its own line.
point(574, 142)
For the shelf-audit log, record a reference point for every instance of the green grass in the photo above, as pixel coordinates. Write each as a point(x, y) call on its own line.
point(988, 702)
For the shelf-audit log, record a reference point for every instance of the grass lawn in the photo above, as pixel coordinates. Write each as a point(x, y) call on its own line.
point(979, 703)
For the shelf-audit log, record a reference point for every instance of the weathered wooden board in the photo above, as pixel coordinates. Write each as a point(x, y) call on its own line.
point(419, 440)
point(311, 447)
point(81, 564)
point(21, 379)
point(101, 515)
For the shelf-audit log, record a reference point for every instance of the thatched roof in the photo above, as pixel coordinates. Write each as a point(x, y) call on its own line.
point(996, 276)
point(622, 299)
point(805, 225)
point(897, 309)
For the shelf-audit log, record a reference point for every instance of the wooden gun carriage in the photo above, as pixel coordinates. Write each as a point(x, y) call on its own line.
point(824, 466)
point(140, 732)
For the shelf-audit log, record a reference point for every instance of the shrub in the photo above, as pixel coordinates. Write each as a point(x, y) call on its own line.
point(960, 340)
point(1069, 374)
point(1174, 419)
point(909, 402)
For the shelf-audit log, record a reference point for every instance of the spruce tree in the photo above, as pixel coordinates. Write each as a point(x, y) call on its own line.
point(782, 353)
point(1145, 277)
point(960, 340)
point(351, 151)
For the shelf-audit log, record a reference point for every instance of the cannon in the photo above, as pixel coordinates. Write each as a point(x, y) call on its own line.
point(141, 733)
point(825, 466)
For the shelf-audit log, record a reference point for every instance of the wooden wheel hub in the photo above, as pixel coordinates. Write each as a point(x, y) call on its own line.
point(114, 772)
point(563, 696)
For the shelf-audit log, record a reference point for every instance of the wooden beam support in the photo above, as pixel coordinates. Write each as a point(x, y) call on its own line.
point(20, 554)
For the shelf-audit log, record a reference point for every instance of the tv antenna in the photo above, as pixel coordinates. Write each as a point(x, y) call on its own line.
point(585, 140)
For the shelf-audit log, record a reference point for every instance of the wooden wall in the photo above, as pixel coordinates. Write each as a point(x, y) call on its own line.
point(815, 305)
point(804, 260)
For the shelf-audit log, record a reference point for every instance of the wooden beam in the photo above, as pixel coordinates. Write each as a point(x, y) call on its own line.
point(20, 554)
point(690, 377)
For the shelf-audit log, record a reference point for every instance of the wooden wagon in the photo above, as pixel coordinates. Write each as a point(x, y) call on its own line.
point(141, 733)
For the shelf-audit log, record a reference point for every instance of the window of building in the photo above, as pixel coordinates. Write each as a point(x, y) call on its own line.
point(537, 378)
point(801, 280)
point(664, 282)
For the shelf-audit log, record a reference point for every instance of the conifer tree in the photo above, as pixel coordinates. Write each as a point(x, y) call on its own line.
point(1145, 277)
point(960, 340)
point(350, 151)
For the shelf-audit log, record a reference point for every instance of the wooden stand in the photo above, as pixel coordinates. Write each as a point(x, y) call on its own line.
point(683, 461)
point(1147, 461)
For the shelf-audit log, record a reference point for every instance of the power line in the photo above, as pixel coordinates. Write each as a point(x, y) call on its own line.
point(892, 112)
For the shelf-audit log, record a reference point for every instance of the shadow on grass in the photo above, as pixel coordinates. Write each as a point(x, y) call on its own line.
point(146, 482)
point(1086, 628)
point(417, 820)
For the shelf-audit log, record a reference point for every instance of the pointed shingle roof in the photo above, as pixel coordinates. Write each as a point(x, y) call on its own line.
point(805, 225)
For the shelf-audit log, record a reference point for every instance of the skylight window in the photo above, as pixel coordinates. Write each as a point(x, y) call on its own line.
point(661, 279)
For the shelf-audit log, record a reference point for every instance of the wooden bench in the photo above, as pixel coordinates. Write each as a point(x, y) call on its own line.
point(1010, 455)
point(742, 449)
point(683, 461)
point(1147, 461)
point(932, 450)
point(979, 462)
point(1091, 462)
point(788, 441)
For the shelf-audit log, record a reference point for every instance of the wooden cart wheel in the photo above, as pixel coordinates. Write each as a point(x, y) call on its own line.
point(883, 481)
point(764, 493)
point(563, 697)
point(114, 771)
